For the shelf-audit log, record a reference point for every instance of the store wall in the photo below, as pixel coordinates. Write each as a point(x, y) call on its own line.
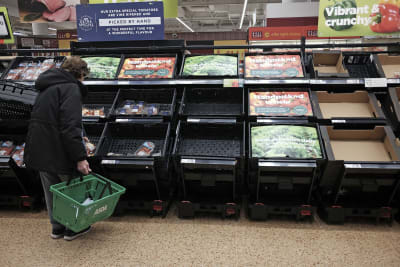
point(204, 36)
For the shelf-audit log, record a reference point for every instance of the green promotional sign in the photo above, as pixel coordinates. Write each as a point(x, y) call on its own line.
point(358, 18)
point(6, 34)
point(170, 6)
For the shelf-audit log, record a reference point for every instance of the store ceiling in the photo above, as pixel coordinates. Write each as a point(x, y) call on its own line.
point(199, 15)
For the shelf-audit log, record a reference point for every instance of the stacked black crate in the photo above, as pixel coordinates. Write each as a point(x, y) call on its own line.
point(18, 186)
point(360, 177)
point(135, 148)
point(209, 151)
point(285, 155)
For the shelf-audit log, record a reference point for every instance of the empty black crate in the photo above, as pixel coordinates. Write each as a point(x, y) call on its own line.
point(361, 65)
point(210, 163)
point(98, 101)
point(361, 176)
point(281, 178)
point(162, 99)
point(16, 101)
point(146, 178)
point(212, 103)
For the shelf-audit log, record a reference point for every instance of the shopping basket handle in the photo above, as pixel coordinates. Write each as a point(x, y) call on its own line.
point(108, 185)
point(71, 177)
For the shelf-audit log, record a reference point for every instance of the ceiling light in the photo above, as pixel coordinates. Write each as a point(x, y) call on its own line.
point(184, 24)
point(243, 12)
point(53, 29)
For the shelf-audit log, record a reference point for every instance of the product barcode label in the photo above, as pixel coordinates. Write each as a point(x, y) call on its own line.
point(123, 82)
point(338, 121)
point(193, 120)
point(188, 161)
point(375, 82)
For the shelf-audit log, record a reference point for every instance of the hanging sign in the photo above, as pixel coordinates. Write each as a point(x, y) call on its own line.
point(120, 22)
point(170, 6)
point(358, 18)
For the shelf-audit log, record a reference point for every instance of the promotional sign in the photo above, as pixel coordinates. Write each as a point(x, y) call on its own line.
point(6, 34)
point(273, 66)
point(210, 65)
point(358, 17)
point(41, 11)
point(120, 22)
point(285, 141)
point(280, 104)
point(170, 6)
point(102, 67)
point(148, 68)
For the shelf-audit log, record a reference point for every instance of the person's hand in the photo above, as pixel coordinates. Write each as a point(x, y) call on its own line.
point(86, 139)
point(83, 167)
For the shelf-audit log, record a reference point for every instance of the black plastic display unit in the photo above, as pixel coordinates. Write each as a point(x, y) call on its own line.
point(93, 131)
point(283, 186)
point(391, 105)
point(108, 55)
point(210, 160)
point(19, 186)
point(18, 60)
point(147, 179)
point(96, 100)
point(16, 101)
point(4, 64)
point(368, 112)
point(212, 104)
point(305, 73)
point(126, 56)
point(263, 118)
point(361, 65)
point(359, 180)
point(164, 98)
point(208, 76)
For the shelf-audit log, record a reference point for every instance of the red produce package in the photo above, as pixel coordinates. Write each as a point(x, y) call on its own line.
point(148, 68)
point(18, 155)
point(273, 66)
point(280, 104)
point(6, 148)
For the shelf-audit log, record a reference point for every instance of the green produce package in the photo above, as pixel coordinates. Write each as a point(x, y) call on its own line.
point(285, 141)
point(211, 65)
point(102, 67)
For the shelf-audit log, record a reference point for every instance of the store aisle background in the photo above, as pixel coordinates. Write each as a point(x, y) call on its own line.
point(134, 240)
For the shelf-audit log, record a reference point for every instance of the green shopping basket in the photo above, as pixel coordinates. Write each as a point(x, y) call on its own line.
point(69, 196)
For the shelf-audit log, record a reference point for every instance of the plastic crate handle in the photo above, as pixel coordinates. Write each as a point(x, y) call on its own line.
point(108, 184)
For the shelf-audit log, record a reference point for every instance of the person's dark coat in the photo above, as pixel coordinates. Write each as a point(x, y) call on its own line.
point(54, 140)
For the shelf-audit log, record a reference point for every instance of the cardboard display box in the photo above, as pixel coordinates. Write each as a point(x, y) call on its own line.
point(358, 107)
point(389, 65)
point(361, 176)
point(329, 65)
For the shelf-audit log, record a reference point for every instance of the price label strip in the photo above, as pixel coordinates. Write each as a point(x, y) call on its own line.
point(375, 82)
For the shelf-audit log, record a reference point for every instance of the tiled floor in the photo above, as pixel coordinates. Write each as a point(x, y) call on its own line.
point(141, 241)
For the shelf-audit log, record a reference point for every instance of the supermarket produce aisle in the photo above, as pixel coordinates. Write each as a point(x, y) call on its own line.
point(142, 241)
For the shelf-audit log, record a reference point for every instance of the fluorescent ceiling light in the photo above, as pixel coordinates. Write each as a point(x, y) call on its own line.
point(243, 12)
point(184, 24)
point(53, 29)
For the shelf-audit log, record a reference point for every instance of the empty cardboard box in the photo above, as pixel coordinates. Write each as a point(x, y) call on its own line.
point(390, 65)
point(359, 104)
point(329, 65)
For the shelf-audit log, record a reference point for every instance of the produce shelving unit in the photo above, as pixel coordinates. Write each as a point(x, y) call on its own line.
point(180, 169)
point(20, 187)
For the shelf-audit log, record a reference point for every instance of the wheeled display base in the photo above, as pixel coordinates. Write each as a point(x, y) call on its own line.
point(261, 211)
point(154, 208)
point(187, 209)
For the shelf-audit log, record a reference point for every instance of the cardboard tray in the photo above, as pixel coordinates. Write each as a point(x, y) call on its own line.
point(357, 109)
point(363, 167)
point(392, 107)
point(329, 64)
point(388, 65)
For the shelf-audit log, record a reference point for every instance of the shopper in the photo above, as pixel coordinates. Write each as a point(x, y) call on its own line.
point(54, 144)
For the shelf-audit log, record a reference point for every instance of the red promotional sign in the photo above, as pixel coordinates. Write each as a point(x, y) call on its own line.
point(285, 33)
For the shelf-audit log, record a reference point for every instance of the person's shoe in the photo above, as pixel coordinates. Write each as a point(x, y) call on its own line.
point(70, 235)
point(57, 233)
